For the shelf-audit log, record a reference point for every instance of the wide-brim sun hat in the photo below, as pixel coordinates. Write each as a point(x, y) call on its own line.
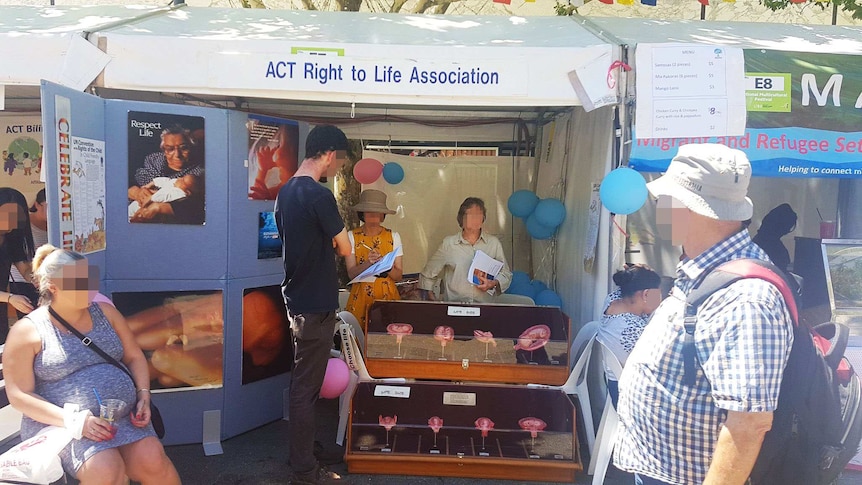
point(710, 180)
point(372, 201)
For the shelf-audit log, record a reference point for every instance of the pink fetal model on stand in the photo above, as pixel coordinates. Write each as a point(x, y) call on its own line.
point(484, 425)
point(534, 338)
point(435, 423)
point(486, 338)
point(399, 330)
point(533, 425)
point(388, 422)
point(444, 335)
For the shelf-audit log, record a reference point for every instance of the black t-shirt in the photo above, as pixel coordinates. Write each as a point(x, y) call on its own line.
point(307, 218)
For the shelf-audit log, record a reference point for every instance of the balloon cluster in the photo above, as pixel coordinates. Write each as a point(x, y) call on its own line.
point(535, 289)
point(623, 191)
point(543, 216)
point(368, 170)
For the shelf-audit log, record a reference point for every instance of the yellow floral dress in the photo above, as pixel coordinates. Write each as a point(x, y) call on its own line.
point(363, 294)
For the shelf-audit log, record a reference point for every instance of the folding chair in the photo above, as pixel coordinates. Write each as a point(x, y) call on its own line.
point(351, 343)
point(609, 424)
point(576, 384)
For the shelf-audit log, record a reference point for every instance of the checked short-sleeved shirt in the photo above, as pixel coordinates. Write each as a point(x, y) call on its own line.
point(668, 431)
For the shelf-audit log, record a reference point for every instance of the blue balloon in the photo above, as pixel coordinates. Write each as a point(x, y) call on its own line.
point(550, 212)
point(548, 298)
point(538, 286)
point(519, 277)
point(393, 173)
point(623, 191)
point(522, 202)
point(538, 230)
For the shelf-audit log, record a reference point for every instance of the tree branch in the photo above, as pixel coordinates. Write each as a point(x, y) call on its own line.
point(424, 5)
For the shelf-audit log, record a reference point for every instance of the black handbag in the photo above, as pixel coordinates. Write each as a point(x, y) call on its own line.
point(155, 415)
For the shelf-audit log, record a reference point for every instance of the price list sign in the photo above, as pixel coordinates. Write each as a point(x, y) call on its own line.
point(689, 91)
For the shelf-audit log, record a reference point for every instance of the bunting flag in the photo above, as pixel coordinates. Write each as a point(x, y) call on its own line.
point(507, 2)
point(650, 3)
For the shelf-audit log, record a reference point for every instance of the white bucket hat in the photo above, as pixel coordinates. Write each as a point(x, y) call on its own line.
point(709, 179)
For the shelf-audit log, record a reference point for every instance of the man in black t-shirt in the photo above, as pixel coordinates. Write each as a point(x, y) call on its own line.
point(312, 232)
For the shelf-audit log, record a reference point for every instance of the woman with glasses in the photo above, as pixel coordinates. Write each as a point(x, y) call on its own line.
point(178, 156)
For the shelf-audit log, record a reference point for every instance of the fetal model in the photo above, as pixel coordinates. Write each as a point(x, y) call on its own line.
point(533, 425)
point(399, 330)
point(444, 335)
point(388, 422)
point(484, 425)
point(435, 423)
point(533, 338)
point(486, 338)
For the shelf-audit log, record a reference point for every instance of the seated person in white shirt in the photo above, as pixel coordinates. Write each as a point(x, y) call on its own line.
point(449, 266)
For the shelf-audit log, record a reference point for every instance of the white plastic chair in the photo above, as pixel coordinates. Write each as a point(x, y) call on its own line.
point(609, 424)
point(351, 344)
point(576, 384)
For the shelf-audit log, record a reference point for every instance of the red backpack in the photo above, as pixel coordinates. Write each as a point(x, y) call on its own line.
point(817, 427)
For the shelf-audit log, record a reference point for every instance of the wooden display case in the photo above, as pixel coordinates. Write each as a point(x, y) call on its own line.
point(448, 429)
point(468, 342)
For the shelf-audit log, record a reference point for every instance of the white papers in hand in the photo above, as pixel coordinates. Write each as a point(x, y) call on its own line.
point(382, 265)
point(483, 265)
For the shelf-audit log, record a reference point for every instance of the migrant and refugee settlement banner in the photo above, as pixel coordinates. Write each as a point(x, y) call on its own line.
point(804, 118)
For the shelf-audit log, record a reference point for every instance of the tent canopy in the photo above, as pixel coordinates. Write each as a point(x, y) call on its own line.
point(367, 58)
point(34, 41)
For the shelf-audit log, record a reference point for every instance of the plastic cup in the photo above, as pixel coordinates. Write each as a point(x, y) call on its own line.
point(110, 410)
point(827, 229)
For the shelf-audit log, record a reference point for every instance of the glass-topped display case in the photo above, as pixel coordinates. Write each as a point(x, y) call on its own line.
point(477, 430)
point(468, 342)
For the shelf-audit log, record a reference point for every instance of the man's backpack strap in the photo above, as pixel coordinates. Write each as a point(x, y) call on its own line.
point(717, 279)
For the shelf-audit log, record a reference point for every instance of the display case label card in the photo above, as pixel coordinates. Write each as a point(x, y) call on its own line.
point(392, 391)
point(463, 311)
point(459, 398)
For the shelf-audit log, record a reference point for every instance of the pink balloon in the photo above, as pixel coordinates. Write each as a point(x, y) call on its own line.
point(336, 379)
point(367, 170)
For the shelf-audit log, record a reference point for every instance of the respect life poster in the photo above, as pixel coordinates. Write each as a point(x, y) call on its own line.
point(166, 168)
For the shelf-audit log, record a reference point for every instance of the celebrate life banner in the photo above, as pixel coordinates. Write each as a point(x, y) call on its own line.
point(804, 118)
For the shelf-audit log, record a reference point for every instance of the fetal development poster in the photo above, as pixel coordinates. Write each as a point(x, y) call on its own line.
point(181, 334)
point(273, 155)
point(166, 168)
point(266, 345)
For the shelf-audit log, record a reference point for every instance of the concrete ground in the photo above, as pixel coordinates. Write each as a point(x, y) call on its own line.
point(259, 457)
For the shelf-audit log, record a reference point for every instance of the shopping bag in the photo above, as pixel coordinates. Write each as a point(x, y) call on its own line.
point(36, 460)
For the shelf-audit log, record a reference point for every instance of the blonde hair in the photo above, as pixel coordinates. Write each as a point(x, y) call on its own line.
point(47, 263)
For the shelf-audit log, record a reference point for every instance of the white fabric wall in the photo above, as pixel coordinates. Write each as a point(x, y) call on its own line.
point(428, 198)
point(575, 154)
